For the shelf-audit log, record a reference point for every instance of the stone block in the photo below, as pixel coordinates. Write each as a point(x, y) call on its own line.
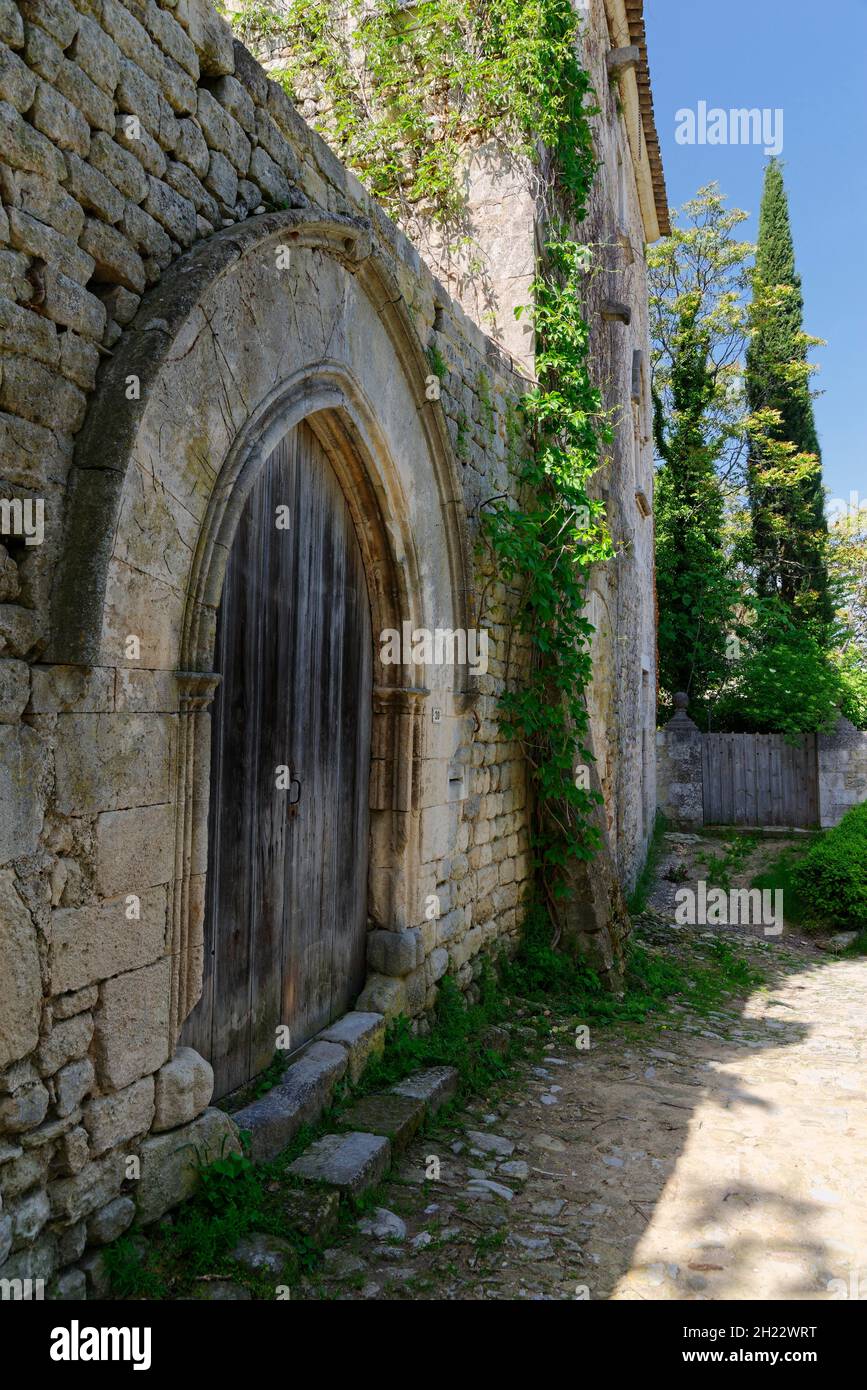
point(14, 690)
point(396, 1117)
point(223, 132)
point(79, 360)
point(134, 849)
point(132, 1025)
point(350, 1162)
point(383, 995)
point(71, 1152)
point(23, 147)
point(11, 30)
point(363, 1036)
point(111, 1120)
point(211, 36)
point(29, 1215)
point(69, 304)
point(147, 234)
point(222, 179)
point(435, 1087)
point(20, 979)
point(92, 189)
point(269, 177)
point(71, 1243)
point(96, 54)
point(95, 106)
point(17, 82)
point(394, 952)
point(66, 1042)
point(115, 262)
point(313, 1214)
point(184, 1087)
point(56, 117)
point(192, 148)
point(41, 53)
point(71, 1084)
point(183, 181)
point(107, 762)
point(173, 212)
point(118, 165)
point(170, 1162)
point(111, 1221)
point(120, 306)
point(304, 1092)
point(77, 1197)
point(78, 1002)
point(142, 146)
point(60, 251)
point(24, 1109)
point(20, 1174)
point(58, 18)
point(96, 942)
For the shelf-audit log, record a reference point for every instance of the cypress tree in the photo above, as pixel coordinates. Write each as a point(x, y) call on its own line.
point(789, 528)
point(696, 592)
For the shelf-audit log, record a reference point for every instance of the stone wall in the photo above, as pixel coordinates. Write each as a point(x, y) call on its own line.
point(842, 771)
point(185, 272)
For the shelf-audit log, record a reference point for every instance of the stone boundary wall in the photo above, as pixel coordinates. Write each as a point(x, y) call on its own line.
point(132, 135)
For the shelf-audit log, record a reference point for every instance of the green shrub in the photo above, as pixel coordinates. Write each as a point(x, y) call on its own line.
point(832, 878)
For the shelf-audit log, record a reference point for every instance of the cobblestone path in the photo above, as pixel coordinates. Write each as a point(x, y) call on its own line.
point(696, 1157)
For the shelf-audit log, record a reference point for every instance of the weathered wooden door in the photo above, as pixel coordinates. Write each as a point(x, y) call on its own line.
point(287, 859)
point(760, 779)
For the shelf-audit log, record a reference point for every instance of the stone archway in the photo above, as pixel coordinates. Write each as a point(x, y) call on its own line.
point(288, 317)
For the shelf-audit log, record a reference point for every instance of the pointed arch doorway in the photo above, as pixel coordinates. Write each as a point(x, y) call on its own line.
point(286, 894)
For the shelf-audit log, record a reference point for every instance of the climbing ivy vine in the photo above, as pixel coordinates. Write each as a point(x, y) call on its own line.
point(545, 546)
point(400, 93)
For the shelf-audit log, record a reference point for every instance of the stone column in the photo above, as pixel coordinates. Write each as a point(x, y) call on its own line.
point(842, 757)
point(679, 775)
point(187, 904)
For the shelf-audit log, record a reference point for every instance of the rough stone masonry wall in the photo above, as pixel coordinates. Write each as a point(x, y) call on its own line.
point(130, 136)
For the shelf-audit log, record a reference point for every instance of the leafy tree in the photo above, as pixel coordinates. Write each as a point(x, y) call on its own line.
point(784, 681)
point(847, 567)
point(696, 590)
point(699, 280)
point(789, 530)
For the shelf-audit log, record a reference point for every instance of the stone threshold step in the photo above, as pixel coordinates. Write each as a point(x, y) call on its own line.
point(304, 1092)
point(355, 1161)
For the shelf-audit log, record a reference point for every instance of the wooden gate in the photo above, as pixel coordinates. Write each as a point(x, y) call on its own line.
point(286, 893)
point(760, 779)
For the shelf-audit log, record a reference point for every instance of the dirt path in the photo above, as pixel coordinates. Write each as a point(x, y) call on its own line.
point(699, 1157)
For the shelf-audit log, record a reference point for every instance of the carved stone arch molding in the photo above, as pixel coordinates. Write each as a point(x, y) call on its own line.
point(291, 316)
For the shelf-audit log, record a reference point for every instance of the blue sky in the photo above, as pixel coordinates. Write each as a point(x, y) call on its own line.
point(811, 60)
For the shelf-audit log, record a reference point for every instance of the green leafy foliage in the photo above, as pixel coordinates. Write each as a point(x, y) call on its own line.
point(784, 681)
point(789, 529)
point(545, 546)
point(407, 88)
point(653, 979)
point(832, 877)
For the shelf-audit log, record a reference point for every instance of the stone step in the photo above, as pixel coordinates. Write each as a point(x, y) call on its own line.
point(435, 1087)
point(396, 1117)
point(300, 1098)
point(350, 1162)
point(307, 1085)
